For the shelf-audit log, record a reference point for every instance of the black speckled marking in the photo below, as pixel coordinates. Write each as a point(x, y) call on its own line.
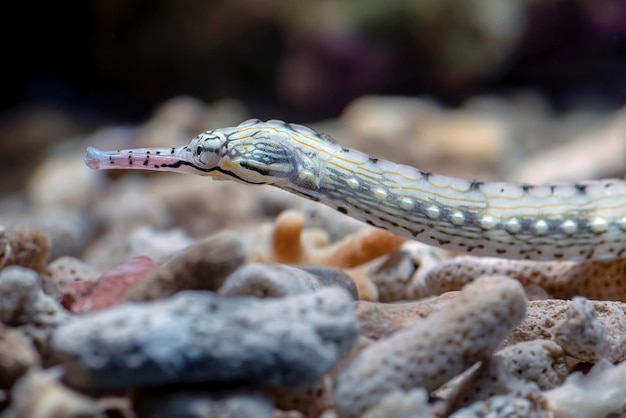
point(526, 187)
point(172, 151)
point(373, 160)
point(500, 251)
point(370, 222)
point(552, 188)
point(474, 185)
point(425, 174)
point(581, 188)
point(343, 210)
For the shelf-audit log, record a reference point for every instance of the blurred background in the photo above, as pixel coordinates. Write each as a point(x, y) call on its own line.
point(74, 67)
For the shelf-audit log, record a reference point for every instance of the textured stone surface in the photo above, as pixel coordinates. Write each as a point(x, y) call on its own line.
point(276, 280)
point(197, 336)
point(203, 265)
point(234, 403)
point(436, 349)
point(544, 315)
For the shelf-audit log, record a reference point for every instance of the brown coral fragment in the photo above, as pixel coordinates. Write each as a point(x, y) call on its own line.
point(28, 248)
point(598, 280)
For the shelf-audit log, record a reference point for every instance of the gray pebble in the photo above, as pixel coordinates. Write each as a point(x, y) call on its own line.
point(198, 336)
point(204, 265)
point(278, 280)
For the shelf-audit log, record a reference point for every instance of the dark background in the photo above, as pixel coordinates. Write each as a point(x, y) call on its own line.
point(72, 66)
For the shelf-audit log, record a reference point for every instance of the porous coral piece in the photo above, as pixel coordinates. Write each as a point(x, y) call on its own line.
point(225, 403)
point(39, 395)
point(544, 315)
point(198, 336)
point(25, 306)
point(398, 275)
point(598, 280)
point(539, 361)
point(203, 265)
point(599, 393)
point(434, 350)
point(64, 271)
point(110, 288)
point(28, 248)
point(380, 320)
point(17, 356)
point(277, 280)
point(585, 337)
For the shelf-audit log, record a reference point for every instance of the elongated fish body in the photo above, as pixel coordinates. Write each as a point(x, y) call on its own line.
point(575, 221)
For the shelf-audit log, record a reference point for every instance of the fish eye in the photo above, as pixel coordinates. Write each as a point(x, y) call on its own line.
point(199, 150)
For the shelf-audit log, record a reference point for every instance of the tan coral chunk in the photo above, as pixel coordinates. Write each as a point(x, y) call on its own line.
point(599, 280)
point(355, 249)
point(436, 349)
point(28, 248)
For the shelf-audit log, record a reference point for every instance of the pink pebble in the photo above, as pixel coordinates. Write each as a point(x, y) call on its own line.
point(110, 288)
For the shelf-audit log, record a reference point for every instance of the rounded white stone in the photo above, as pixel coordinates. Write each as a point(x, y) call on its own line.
point(457, 217)
point(380, 194)
point(598, 225)
point(488, 222)
point(513, 225)
point(433, 212)
point(406, 203)
point(569, 227)
point(541, 227)
point(352, 183)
